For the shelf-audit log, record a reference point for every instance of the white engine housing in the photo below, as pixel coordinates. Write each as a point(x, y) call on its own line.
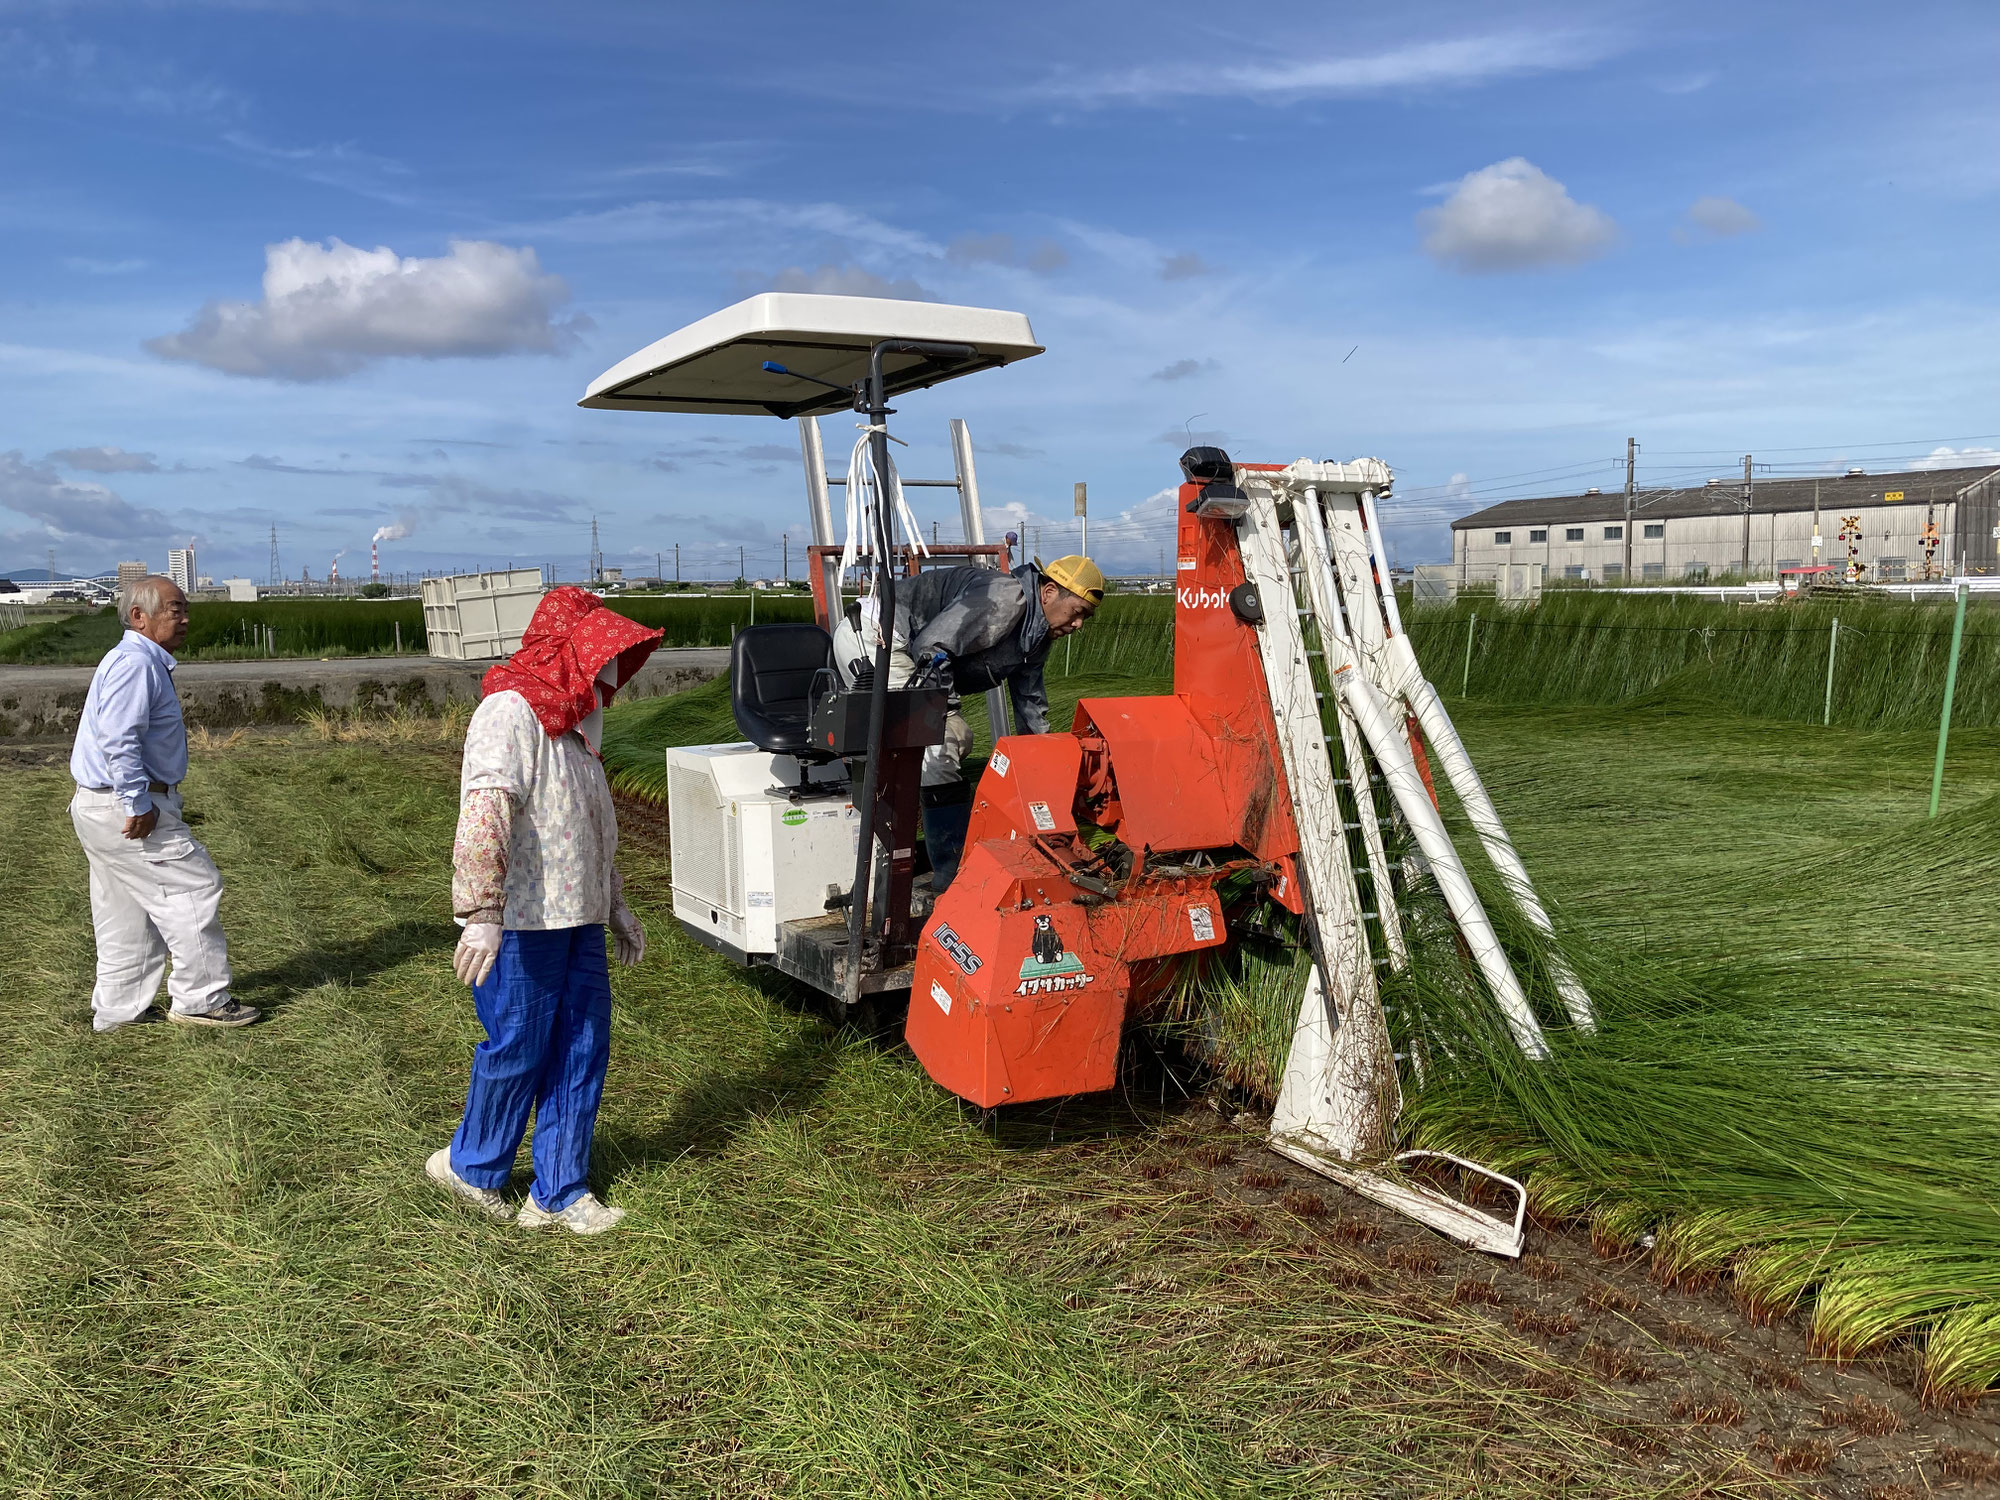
point(745, 855)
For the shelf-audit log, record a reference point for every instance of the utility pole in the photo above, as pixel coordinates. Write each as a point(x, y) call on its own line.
point(677, 562)
point(1746, 518)
point(785, 543)
point(1083, 515)
point(276, 574)
point(52, 566)
point(741, 571)
point(1631, 461)
point(596, 557)
point(657, 574)
point(1815, 561)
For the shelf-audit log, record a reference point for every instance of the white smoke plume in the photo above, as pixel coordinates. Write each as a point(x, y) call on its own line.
point(396, 532)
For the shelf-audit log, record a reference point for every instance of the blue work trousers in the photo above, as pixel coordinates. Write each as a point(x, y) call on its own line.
point(546, 1007)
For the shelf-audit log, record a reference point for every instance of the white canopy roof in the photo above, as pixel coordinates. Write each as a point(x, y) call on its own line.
point(716, 365)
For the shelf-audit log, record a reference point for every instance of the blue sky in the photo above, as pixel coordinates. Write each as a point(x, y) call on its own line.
point(341, 268)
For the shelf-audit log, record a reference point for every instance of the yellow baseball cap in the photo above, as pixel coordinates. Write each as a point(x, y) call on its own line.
point(1079, 575)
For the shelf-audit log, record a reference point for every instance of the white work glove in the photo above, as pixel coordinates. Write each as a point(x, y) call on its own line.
point(628, 938)
point(478, 946)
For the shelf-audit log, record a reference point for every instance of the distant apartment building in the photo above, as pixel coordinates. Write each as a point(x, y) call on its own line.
point(1710, 530)
point(180, 568)
point(130, 573)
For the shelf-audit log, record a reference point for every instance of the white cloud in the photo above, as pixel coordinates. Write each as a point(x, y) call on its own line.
point(341, 165)
point(90, 266)
point(1181, 267)
point(849, 281)
point(65, 510)
point(1460, 61)
point(1001, 250)
point(1512, 216)
point(1688, 83)
point(1722, 217)
point(105, 460)
point(328, 310)
point(1957, 458)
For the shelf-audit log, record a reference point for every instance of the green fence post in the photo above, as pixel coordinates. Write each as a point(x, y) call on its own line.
point(1832, 645)
point(1950, 687)
point(1465, 679)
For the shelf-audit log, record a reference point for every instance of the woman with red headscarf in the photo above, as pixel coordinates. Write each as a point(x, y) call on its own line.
point(534, 883)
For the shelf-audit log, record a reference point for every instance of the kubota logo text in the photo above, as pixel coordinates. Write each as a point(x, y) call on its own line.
point(1199, 598)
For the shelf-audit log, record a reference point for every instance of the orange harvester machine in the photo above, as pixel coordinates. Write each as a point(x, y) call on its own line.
point(1042, 946)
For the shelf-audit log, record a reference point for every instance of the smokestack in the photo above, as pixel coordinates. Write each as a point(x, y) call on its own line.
point(333, 569)
point(374, 563)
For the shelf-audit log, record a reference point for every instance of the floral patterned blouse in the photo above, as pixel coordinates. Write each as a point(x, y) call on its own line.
point(537, 832)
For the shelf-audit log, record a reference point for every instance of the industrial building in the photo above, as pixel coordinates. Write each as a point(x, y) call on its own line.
point(1755, 530)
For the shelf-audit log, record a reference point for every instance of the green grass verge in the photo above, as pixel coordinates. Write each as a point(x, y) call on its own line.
point(223, 1273)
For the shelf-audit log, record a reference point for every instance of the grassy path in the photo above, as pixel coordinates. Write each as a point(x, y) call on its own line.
point(223, 1273)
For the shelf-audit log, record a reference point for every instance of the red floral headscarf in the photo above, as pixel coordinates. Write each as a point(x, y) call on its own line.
point(565, 646)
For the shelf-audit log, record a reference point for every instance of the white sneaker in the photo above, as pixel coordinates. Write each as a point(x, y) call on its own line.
point(438, 1169)
point(585, 1216)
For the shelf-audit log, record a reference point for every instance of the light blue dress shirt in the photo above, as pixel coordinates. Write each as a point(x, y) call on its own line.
point(131, 730)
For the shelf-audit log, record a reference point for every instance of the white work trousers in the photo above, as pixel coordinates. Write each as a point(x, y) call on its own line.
point(942, 763)
point(150, 899)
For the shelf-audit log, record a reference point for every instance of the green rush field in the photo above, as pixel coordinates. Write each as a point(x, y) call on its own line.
point(224, 1274)
point(219, 631)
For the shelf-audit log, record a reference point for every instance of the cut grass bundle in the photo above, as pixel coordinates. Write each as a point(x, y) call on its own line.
point(1797, 1074)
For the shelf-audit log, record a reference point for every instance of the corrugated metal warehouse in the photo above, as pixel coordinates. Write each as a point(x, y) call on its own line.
point(1711, 530)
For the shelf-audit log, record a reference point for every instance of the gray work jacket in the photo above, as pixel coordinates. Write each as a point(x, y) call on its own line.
point(990, 625)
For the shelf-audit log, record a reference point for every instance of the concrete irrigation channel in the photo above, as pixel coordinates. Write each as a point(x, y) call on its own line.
point(41, 701)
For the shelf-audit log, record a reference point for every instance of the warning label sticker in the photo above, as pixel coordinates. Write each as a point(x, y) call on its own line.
point(1201, 922)
point(1045, 820)
point(1000, 763)
point(939, 994)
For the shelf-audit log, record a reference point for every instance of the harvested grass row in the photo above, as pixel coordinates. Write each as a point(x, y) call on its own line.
point(222, 1271)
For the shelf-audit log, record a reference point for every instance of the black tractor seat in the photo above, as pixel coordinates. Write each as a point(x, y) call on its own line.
point(771, 673)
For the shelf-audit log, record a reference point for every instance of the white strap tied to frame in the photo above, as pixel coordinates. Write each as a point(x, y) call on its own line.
point(861, 476)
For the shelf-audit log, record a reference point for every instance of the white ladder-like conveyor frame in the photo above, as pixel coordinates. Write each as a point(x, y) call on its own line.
point(1340, 1093)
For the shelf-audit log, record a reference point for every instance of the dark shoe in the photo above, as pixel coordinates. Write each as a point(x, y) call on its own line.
point(229, 1013)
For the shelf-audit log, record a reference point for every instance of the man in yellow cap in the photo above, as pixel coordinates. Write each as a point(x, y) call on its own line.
point(973, 629)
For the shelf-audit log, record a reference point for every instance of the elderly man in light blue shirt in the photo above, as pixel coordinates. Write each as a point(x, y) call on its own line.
point(154, 892)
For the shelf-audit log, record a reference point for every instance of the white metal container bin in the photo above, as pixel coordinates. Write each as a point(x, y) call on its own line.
point(751, 847)
point(480, 616)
